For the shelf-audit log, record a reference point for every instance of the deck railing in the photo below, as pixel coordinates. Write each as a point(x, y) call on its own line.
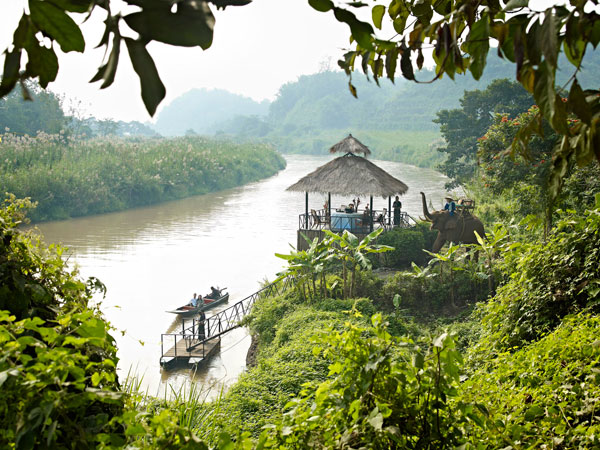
point(357, 223)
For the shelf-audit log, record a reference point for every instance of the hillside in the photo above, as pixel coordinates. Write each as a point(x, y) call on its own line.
point(199, 109)
point(395, 120)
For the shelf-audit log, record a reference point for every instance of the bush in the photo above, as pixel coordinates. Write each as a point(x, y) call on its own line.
point(546, 282)
point(382, 393)
point(544, 395)
point(408, 246)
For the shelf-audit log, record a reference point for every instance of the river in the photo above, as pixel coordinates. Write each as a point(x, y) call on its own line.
point(153, 259)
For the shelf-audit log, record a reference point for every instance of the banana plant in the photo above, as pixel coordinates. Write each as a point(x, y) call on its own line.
point(353, 254)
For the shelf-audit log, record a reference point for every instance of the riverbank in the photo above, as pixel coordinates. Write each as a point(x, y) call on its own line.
point(86, 177)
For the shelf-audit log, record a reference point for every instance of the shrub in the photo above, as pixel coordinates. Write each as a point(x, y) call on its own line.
point(408, 246)
point(381, 393)
point(544, 395)
point(546, 282)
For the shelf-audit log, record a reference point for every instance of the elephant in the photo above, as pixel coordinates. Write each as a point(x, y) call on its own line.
point(456, 228)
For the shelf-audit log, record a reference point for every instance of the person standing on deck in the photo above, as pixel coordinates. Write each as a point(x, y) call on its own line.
point(201, 319)
point(397, 206)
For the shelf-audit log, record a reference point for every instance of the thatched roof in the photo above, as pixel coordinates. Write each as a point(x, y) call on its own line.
point(350, 175)
point(350, 145)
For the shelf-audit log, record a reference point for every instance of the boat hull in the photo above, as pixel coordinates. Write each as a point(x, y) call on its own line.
point(188, 311)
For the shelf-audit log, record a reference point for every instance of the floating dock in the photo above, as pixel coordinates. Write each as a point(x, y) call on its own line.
point(188, 351)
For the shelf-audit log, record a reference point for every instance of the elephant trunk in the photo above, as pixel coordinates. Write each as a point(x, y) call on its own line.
point(425, 210)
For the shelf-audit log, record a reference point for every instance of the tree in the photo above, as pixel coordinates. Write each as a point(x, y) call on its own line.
point(45, 114)
point(462, 127)
point(460, 32)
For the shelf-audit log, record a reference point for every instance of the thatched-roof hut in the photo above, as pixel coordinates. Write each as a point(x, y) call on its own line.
point(350, 174)
point(350, 145)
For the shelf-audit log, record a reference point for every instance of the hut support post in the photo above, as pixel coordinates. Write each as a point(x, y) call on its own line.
point(329, 208)
point(306, 212)
point(389, 211)
point(371, 212)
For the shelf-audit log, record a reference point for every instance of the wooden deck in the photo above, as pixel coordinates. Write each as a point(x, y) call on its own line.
point(178, 354)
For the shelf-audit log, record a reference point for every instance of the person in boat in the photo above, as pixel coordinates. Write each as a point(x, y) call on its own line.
point(194, 301)
point(214, 293)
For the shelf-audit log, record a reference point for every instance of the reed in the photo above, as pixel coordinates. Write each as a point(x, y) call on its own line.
point(83, 177)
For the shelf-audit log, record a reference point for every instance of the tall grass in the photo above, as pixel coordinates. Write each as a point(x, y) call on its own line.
point(83, 177)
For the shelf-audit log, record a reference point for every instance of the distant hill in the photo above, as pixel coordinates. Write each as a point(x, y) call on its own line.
point(200, 109)
point(311, 114)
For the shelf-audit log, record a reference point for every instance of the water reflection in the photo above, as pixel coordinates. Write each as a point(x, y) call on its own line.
point(153, 259)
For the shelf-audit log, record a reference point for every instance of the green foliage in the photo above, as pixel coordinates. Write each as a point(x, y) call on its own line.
point(545, 282)
point(434, 290)
point(381, 393)
point(543, 394)
point(477, 110)
point(408, 244)
point(59, 381)
point(58, 378)
point(101, 175)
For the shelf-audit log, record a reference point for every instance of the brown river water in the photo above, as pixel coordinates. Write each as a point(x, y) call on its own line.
point(153, 259)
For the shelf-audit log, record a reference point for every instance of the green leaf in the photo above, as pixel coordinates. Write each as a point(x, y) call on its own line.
point(534, 413)
point(439, 341)
point(43, 63)
point(578, 103)
point(361, 31)
point(113, 61)
point(96, 378)
point(321, 5)
point(543, 90)
point(78, 6)
point(153, 90)
point(188, 27)
point(406, 65)
point(92, 328)
point(12, 63)
point(549, 39)
point(418, 360)
point(57, 25)
point(376, 421)
point(377, 14)
point(516, 4)
point(391, 60)
point(479, 46)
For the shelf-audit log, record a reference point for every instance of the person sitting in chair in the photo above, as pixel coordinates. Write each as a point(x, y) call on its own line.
point(381, 217)
point(367, 215)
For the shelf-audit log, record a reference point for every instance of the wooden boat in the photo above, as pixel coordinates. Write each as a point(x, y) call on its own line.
point(208, 302)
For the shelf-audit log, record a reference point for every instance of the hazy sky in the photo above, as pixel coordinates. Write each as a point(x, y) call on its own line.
point(256, 49)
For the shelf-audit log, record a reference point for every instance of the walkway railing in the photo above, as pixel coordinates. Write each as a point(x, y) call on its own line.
point(196, 332)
